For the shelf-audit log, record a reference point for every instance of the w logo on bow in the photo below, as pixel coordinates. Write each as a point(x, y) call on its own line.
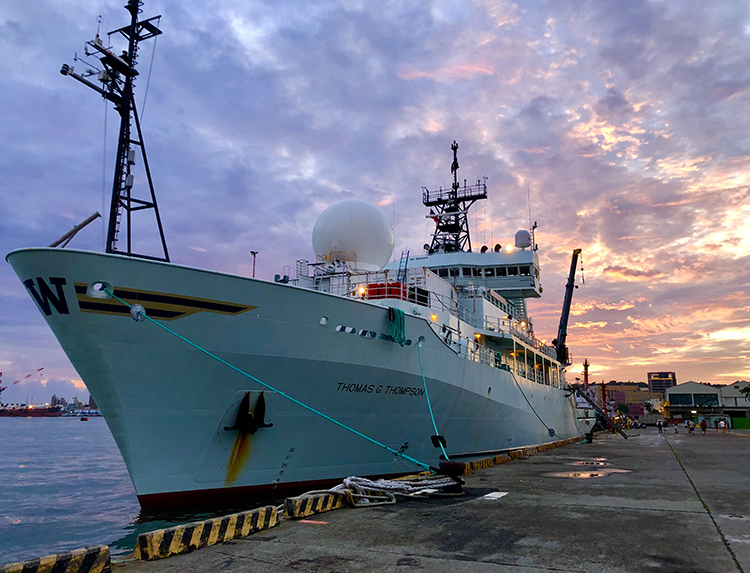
point(45, 297)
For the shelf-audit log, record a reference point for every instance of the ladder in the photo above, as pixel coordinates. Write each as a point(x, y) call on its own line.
point(401, 276)
point(578, 390)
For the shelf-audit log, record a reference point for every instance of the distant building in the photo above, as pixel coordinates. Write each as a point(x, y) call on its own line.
point(660, 381)
point(55, 401)
point(695, 401)
point(633, 395)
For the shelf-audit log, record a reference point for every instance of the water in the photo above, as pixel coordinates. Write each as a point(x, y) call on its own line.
point(63, 485)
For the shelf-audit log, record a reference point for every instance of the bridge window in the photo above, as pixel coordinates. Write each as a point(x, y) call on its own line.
point(489, 272)
point(443, 273)
point(525, 271)
point(512, 271)
point(477, 271)
point(501, 271)
point(467, 271)
point(453, 272)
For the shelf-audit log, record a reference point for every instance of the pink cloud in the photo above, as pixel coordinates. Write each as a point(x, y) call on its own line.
point(448, 73)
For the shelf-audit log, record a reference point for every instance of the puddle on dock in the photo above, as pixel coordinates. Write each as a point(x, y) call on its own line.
point(596, 463)
point(602, 472)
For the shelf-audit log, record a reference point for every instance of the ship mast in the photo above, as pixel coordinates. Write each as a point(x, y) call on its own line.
point(117, 77)
point(449, 209)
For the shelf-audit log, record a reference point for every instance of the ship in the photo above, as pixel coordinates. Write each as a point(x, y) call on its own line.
point(31, 412)
point(219, 389)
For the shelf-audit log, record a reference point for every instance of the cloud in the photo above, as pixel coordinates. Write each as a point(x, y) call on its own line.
point(625, 123)
point(40, 391)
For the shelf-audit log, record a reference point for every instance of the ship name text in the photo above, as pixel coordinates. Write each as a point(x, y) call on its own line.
point(353, 387)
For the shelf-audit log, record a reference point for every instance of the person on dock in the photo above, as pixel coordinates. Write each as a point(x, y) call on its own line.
point(703, 426)
point(723, 426)
point(658, 426)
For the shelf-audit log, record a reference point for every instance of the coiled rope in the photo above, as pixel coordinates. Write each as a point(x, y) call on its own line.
point(362, 492)
point(139, 314)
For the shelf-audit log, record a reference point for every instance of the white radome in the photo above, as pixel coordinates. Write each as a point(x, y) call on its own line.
point(354, 230)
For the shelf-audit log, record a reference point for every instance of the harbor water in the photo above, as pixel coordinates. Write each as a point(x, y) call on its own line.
point(64, 485)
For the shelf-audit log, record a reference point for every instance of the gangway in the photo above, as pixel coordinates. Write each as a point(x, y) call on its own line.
point(578, 391)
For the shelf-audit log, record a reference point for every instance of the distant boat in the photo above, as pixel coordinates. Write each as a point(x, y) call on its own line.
point(31, 412)
point(84, 419)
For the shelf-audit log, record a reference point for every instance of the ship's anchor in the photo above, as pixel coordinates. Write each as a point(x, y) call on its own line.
point(248, 422)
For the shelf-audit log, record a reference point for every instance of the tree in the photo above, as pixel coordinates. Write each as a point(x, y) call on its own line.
point(623, 409)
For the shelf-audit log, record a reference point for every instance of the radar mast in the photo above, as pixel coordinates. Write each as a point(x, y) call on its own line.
point(117, 78)
point(449, 209)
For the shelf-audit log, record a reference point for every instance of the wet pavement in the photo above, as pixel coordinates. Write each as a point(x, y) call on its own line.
point(663, 503)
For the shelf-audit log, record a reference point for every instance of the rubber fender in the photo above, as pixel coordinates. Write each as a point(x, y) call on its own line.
point(453, 469)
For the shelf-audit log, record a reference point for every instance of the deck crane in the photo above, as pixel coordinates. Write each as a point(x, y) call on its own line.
point(562, 331)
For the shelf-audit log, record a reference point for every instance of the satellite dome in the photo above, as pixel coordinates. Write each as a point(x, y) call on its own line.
point(523, 239)
point(355, 231)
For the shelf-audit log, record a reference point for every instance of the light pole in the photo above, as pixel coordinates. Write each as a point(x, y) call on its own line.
point(254, 253)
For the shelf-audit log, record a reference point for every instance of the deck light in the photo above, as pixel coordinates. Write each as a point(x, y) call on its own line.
point(362, 291)
point(433, 317)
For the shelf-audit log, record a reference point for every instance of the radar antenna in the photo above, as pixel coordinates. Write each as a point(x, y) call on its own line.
point(449, 209)
point(117, 78)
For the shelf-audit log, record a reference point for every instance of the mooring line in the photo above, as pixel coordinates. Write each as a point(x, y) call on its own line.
point(427, 394)
point(705, 506)
point(550, 431)
point(269, 387)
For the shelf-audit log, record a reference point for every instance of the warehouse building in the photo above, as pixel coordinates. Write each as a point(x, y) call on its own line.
point(695, 401)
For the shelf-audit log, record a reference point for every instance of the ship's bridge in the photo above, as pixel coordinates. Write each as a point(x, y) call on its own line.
point(514, 274)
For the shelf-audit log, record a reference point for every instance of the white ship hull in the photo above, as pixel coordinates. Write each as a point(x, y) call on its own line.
point(167, 403)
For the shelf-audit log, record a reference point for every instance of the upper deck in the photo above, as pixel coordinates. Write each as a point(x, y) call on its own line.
point(513, 274)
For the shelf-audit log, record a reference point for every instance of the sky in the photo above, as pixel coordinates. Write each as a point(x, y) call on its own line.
point(620, 126)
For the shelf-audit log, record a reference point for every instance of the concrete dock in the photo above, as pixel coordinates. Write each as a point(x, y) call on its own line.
point(671, 502)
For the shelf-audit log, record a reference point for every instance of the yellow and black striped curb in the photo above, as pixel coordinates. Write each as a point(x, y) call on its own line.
point(87, 560)
point(484, 463)
point(183, 538)
point(304, 505)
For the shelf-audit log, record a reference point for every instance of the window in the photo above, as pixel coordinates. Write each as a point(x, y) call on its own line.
point(680, 399)
point(525, 271)
point(477, 272)
point(512, 271)
point(443, 273)
point(500, 271)
point(466, 271)
point(489, 272)
point(453, 272)
point(706, 399)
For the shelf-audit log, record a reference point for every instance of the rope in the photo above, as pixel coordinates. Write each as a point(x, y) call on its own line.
point(398, 325)
point(362, 492)
point(287, 396)
point(549, 430)
point(148, 80)
point(427, 394)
